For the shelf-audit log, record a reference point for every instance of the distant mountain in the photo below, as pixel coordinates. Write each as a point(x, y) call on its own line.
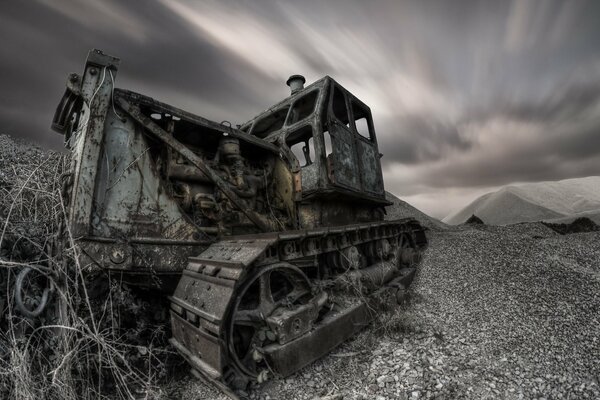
point(543, 201)
point(401, 209)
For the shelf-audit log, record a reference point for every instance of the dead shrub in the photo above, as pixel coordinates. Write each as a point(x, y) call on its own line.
point(80, 346)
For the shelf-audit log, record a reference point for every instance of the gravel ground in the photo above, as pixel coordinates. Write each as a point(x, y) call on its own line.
point(494, 312)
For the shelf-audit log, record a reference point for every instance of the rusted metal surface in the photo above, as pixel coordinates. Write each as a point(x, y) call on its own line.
point(196, 161)
point(269, 237)
point(95, 92)
point(337, 327)
point(163, 108)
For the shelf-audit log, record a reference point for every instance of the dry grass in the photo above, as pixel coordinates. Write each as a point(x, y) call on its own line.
point(80, 346)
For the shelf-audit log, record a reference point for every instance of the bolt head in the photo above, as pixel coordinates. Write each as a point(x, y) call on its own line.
point(117, 256)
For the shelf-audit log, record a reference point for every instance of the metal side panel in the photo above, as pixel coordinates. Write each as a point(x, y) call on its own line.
point(370, 168)
point(130, 198)
point(345, 168)
point(96, 90)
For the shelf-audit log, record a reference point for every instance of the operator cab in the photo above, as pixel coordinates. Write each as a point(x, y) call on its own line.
point(327, 134)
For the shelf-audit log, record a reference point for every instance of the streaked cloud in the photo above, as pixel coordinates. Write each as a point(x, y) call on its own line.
point(466, 95)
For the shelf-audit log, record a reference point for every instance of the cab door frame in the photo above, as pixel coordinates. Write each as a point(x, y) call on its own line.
point(367, 149)
point(345, 167)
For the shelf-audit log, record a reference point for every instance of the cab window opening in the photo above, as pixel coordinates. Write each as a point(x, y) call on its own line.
point(303, 107)
point(362, 120)
point(270, 123)
point(327, 140)
point(338, 106)
point(301, 143)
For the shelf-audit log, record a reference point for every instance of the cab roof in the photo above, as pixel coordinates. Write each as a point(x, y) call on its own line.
point(321, 83)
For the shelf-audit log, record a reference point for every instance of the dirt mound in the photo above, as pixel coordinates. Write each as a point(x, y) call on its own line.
point(579, 225)
point(534, 202)
point(502, 208)
point(401, 209)
point(474, 220)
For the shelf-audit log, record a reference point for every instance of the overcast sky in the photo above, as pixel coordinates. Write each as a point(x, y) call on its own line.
point(467, 96)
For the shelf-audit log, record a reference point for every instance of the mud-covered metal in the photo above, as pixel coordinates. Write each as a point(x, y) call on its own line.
point(269, 237)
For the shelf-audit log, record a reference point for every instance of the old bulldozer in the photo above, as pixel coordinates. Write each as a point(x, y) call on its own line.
point(269, 237)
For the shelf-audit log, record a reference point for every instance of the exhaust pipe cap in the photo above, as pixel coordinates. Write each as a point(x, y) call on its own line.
point(296, 83)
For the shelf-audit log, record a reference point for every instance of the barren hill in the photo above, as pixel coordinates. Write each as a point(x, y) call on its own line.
point(543, 201)
point(401, 209)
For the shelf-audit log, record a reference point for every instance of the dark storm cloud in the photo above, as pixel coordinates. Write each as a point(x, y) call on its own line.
point(555, 138)
point(465, 94)
point(421, 138)
point(568, 102)
point(159, 57)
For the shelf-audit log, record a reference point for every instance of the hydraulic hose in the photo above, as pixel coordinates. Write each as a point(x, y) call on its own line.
point(20, 305)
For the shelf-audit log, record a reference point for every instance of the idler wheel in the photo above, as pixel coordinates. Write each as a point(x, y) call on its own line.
point(262, 293)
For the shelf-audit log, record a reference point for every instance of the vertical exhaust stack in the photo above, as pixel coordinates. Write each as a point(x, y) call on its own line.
point(296, 83)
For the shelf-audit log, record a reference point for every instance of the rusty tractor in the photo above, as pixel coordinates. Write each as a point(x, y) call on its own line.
point(269, 237)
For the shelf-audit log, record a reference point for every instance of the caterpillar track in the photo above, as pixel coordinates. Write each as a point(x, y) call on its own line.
point(254, 306)
point(269, 237)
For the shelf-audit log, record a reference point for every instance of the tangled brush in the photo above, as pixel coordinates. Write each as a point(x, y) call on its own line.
point(95, 338)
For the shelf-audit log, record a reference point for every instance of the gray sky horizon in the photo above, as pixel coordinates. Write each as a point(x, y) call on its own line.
point(467, 96)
